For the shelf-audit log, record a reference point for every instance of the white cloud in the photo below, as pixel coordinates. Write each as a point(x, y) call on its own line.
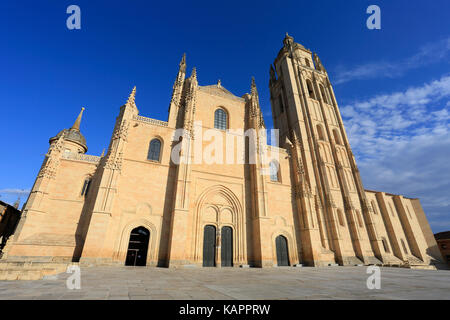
point(402, 142)
point(426, 55)
point(15, 191)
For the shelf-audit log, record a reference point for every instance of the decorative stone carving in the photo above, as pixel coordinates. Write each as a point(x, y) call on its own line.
point(122, 132)
point(330, 201)
point(53, 158)
point(348, 205)
point(150, 121)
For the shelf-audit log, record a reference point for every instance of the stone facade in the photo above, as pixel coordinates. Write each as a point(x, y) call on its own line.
point(443, 242)
point(84, 208)
point(9, 217)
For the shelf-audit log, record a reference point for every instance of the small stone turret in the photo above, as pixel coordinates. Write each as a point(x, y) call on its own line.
point(73, 138)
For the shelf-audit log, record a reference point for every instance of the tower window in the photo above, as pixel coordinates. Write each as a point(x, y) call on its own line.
point(392, 210)
point(324, 96)
point(358, 216)
point(280, 101)
point(409, 213)
point(340, 217)
point(374, 207)
point(329, 95)
point(310, 89)
point(85, 188)
point(274, 169)
point(320, 132)
point(404, 246)
point(220, 119)
point(337, 139)
point(385, 244)
point(154, 151)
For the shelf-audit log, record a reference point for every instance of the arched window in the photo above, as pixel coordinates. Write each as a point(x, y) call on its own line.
point(220, 119)
point(310, 89)
point(307, 62)
point(337, 138)
point(154, 152)
point(385, 244)
point(409, 213)
point(358, 216)
point(404, 246)
point(274, 169)
point(85, 188)
point(320, 132)
point(374, 207)
point(340, 217)
point(392, 210)
point(324, 96)
point(329, 95)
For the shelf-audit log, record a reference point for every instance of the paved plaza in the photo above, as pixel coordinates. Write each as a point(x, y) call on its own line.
point(234, 283)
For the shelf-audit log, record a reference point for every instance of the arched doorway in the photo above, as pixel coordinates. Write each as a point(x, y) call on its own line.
point(226, 247)
point(138, 247)
point(209, 246)
point(282, 251)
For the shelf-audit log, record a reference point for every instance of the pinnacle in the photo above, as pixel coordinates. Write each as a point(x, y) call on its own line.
point(76, 125)
point(132, 96)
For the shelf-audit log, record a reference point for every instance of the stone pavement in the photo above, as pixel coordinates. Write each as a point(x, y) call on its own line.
point(234, 283)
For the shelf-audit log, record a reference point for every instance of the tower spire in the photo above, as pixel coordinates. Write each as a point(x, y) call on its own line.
point(76, 125)
point(318, 63)
point(288, 40)
point(183, 63)
point(254, 90)
point(255, 109)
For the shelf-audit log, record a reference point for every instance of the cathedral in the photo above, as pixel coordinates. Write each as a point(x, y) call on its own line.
point(134, 205)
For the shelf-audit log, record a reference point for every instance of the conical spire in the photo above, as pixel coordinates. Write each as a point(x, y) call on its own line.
point(76, 125)
point(194, 73)
point(131, 98)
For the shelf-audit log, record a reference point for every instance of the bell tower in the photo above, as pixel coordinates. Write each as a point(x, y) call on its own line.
point(332, 205)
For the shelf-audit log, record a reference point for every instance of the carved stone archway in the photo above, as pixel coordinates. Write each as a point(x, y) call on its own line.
point(219, 206)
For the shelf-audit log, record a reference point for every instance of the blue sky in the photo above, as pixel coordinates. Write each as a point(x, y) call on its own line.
point(393, 84)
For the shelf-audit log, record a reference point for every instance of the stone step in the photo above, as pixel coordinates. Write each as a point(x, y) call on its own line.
point(29, 270)
point(423, 267)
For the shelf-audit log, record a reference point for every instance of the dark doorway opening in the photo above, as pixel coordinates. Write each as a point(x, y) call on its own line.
point(209, 246)
point(282, 251)
point(138, 247)
point(226, 245)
